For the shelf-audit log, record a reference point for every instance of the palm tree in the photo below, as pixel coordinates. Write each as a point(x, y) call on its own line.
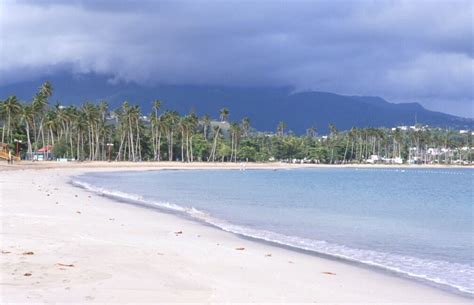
point(217, 133)
point(46, 89)
point(183, 128)
point(194, 122)
point(51, 124)
point(235, 132)
point(245, 126)
point(27, 116)
point(157, 106)
point(333, 136)
point(102, 130)
point(10, 107)
point(169, 121)
point(223, 116)
point(281, 128)
point(40, 102)
point(135, 114)
point(91, 113)
point(156, 129)
point(206, 122)
point(186, 125)
point(311, 132)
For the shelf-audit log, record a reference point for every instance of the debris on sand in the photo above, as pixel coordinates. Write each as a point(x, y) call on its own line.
point(178, 233)
point(268, 255)
point(328, 273)
point(27, 274)
point(240, 249)
point(28, 253)
point(64, 265)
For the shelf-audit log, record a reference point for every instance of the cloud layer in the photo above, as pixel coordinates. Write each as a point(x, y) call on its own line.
point(402, 50)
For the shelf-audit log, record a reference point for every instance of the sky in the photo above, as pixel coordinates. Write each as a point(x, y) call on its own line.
point(404, 51)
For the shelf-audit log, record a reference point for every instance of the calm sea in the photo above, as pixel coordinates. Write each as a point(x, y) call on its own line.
point(416, 222)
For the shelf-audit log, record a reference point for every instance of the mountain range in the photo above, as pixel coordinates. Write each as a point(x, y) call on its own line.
point(265, 106)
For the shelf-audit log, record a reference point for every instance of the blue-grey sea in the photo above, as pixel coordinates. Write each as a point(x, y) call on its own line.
point(414, 222)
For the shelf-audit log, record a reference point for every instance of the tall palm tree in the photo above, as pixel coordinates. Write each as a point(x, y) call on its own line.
point(192, 124)
point(11, 108)
point(170, 120)
point(311, 132)
point(281, 128)
point(51, 124)
point(223, 116)
point(235, 132)
point(40, 102)
point(27, 116)
point(206, 122)
point(245, 126)
point(91, 113)
point(157, 106)
point(333, 137)
point(46, 89)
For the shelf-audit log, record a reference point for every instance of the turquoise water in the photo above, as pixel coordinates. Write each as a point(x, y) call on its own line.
point(417, 222)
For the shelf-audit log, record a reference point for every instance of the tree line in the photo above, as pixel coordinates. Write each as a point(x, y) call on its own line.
point(94, 132)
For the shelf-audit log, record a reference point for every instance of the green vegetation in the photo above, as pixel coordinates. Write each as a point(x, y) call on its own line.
point(93, 132)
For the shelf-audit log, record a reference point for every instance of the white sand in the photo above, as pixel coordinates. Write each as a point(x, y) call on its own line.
point(126, 254)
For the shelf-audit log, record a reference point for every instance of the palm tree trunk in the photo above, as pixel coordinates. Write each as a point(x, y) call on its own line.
point(214, 145)
point(345, 152)
point(153, 138)
point(30, 153)
point(52, 135)
point(3, 132)
point(119, 154)
point(8, 130)
point(159, 145)
point(182, 145)
point(131, 147)
point(191, 148)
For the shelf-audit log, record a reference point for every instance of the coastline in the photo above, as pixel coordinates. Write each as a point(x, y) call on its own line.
point(138, 256)
point(153, 165)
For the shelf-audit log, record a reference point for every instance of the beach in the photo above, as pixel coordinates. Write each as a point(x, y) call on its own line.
point(63, 244)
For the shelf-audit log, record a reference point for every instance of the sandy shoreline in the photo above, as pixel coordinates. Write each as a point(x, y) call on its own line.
point(201, 165)
point(90, 249)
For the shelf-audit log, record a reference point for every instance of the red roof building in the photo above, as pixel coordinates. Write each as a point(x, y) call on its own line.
point(46, 149)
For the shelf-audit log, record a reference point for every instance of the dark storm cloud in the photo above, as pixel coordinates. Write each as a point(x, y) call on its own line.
point(401, 50)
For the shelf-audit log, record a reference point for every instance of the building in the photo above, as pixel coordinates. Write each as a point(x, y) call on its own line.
point(43, 154)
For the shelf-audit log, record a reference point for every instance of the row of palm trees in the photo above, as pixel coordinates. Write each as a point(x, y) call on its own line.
point(92, 132)
point(34, 116)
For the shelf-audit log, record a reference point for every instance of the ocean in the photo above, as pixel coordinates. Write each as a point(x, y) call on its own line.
point(416, 223)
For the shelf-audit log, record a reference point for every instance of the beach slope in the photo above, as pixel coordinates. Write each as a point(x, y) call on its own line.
point(62, 244)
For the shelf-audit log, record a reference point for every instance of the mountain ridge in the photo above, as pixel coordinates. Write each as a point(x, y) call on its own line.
point(265, 106)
